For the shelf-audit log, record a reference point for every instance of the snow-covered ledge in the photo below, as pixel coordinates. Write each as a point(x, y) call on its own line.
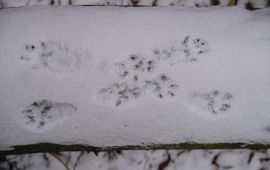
point(49, 147)
point(102, 78)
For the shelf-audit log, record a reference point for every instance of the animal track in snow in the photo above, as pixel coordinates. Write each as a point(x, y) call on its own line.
point(120, 93)
point(135, 67)
point(189, 50)
point(193, 47)
point(44, 113)
point(140, 75)
point(214, 102)
point(161, 86)
point(51, 55)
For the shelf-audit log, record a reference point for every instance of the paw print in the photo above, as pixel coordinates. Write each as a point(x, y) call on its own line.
point(214, 102)
point(193, 47)
point(135, 67)
point(139, 64)
point(162, 86)
point(200, 45)
point(43, 113)
point(51, 55)
point(120, 93)
point(189, 50)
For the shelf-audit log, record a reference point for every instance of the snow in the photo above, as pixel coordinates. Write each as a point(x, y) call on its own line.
point(145, 160)
point(131, 76)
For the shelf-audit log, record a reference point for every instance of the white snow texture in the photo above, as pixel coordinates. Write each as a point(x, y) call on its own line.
point(126, 76)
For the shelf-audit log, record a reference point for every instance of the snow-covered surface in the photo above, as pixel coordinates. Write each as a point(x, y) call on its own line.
point(134, 76)
point(144, 160)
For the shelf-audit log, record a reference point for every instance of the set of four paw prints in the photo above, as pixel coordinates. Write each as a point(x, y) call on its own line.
point(138, 75)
